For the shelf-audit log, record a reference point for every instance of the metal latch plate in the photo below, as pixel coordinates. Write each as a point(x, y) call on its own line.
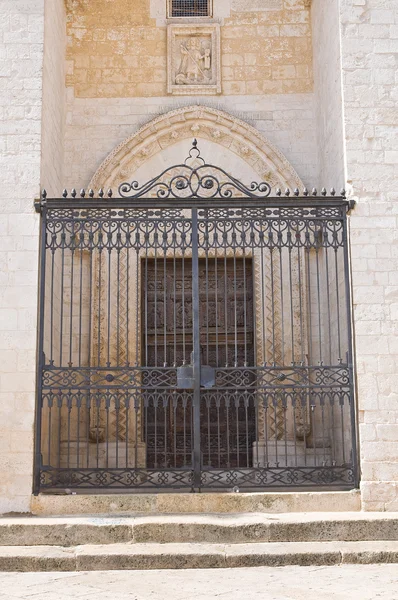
point(185, 379)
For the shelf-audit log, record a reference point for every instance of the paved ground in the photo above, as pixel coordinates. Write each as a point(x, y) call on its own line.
point(348, 582)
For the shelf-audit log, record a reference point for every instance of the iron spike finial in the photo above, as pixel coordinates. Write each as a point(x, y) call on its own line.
point(287, 192)
point(323, 192)
point(332, 191)
point(296, 192)
point(314, 192)
point(65, 193)
point(342, 193)
point(278, 191)
point(195, 142)
point(110, 193)
point(73, 193)
point(44, 194)
point(101, 193)
point(91, 193)
point(305, 192)
point(82, 193)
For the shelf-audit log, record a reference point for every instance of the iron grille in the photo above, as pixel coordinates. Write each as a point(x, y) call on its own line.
point(189, 8)
point(194, 334)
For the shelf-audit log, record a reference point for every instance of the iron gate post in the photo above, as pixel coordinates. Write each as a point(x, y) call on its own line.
point(37, 460)
point(350, 353)
point(197, 460)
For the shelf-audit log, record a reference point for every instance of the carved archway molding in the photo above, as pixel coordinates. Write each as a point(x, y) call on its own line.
point(204, 123)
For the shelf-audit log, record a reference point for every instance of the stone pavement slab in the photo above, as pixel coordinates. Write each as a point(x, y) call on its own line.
point(370, 582)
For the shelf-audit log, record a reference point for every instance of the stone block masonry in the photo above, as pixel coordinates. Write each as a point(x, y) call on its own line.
point(369, 79)
point(21, 47)
point(114, 51)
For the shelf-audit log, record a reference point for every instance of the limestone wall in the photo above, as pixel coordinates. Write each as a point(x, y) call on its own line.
point(325, 21)
point(21, 47)
point(96, 126)
point(369, 47)
point(54, 95)
point(116, 49)
point(116, 76)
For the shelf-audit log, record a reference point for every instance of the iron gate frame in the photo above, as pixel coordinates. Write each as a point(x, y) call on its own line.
point(196, 192)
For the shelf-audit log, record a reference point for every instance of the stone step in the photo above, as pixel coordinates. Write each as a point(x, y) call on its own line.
point(165, 503)
point(193, 556)
point(214, 528)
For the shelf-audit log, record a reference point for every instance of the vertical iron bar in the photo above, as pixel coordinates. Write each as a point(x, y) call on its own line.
point(155, 312)
point(235, 311)
point(338, 297)
point(226, 304)
point(262, 316)
point(165, 361)
point(291, 304)
point(71, 294)
point(318, 287)
point(99, 304)
point(90, 295)
point(216, 294)
point(146, 292)
point(108, 354)
point(196, 351)
point(282, 304)
point(350, 353)
point(207, 293)
point(245, 363)
point(61, 312)
point(300, 303)
point(81, 297)
point(52, 306)
point(40, 351)
point(272, 304)
point(328, 301)
point(174, 307)
point(118, 250)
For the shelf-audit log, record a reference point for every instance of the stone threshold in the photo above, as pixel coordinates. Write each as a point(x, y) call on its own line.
point(176, 503)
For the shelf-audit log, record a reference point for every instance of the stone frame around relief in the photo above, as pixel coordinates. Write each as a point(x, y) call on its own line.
point(193, 59)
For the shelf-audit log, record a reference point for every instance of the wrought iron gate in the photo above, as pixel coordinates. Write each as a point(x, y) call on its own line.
point(194, 334)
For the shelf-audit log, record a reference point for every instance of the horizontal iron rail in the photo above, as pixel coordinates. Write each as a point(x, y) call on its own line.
point(180, 203)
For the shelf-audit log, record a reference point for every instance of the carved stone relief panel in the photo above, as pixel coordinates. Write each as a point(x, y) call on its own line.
point(193, 59)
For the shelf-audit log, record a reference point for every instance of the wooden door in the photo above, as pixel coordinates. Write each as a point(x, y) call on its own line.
point(226, 335)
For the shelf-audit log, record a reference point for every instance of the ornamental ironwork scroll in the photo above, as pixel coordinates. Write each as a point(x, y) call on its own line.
point(194, 179)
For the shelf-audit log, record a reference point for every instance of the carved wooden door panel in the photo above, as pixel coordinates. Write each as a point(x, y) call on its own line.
point(227, 427)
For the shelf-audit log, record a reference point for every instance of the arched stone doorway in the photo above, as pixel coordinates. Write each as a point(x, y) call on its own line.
point(224, 140)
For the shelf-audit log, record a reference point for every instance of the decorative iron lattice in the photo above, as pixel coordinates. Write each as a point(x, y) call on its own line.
point(189, 8)
point(194, 334)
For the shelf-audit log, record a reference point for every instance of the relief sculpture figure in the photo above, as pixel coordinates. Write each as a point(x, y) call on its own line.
point(195, 63)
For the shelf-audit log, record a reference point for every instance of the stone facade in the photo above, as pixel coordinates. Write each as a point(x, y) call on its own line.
point(115, 52)
point(369, 37)
point(21, 34)
point(81, 76)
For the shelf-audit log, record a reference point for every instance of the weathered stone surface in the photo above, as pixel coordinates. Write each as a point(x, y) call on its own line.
point(37, 558)
point(193, 556)
point(196, 503)
point(200, 528)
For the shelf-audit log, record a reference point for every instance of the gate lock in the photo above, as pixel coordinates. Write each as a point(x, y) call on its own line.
point(185, 378)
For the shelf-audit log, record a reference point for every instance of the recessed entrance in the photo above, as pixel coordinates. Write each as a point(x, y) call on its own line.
point(199, 339)
point(225, 321)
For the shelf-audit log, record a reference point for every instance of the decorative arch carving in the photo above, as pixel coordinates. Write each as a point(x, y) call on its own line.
point(204, 123)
